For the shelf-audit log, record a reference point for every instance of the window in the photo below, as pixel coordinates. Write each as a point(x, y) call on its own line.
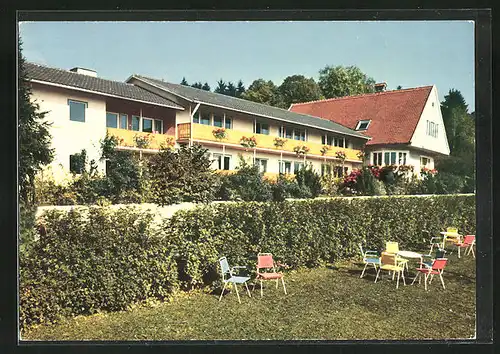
point(205, 118)
point(299, 134)
point(326, 169)
point(297, 166)
point(111, 120)
point(333, 141)
point(76, 163)
point(262, 163)
point(77, 110)
point(218, 121)
point(363, 125)
point(158, 126)
point(136, 123)
point(286, 132)
point(401, 158)
point(222, 162)
point(377, 158)
point(432, 129)
point(285, 167)
point(261, 128)
point(123, 121)
point(196, 117)
point(147, 125)
point(229, 123)
point(424, 161)
point(390, 158)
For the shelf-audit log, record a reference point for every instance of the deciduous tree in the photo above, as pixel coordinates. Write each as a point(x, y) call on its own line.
point(298, 88)
point(342, 81)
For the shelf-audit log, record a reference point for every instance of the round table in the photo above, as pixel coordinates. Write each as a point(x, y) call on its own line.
point(411, 254)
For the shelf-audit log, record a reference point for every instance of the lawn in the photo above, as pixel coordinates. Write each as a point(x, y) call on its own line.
point(329, 303)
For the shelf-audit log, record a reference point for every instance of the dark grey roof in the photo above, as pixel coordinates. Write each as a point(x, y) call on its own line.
point(96, 84)
point(241, 105)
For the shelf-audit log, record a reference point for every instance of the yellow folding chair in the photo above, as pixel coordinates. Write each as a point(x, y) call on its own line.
point(393, 248)
point(388, 262)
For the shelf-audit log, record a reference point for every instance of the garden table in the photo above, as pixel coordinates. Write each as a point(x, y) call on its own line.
point(411, 254)
point(454, 236)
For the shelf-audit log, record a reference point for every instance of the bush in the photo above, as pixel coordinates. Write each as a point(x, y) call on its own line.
point(182, 175)
point(87, 263)
point(310, 232)
point(107, 260)
point(308, 178)
point(247, 184)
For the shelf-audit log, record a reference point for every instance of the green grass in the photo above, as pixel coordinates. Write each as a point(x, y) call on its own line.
point(326, 303)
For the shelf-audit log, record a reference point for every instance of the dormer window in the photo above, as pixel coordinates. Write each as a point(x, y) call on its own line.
point(363, 124)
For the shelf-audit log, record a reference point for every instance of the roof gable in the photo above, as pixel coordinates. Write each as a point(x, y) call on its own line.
point(393, 115)
point(245, 106)
point(94, 84)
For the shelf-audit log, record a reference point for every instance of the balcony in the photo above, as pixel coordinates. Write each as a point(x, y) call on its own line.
point(203, 133)
point(135, 139)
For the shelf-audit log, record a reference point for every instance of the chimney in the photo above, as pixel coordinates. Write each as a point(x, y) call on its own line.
point(380, 87)
point(84, 71)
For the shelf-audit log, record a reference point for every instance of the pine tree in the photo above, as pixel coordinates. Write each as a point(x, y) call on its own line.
point(240, 89)
point(399, 87)
point(221, 87)
point(197, 85)
point(184, 82)
point(206, 87)
point(34, 137)
point(231, 89)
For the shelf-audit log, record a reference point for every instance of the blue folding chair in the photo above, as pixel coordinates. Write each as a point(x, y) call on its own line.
point(369, 257)
point(233, 279)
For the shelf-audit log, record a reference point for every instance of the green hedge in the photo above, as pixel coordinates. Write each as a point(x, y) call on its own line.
point(104, 261)
point(111, 259)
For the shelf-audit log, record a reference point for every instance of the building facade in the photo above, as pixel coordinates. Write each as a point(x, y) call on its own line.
point(83, 108)
point(406, 125)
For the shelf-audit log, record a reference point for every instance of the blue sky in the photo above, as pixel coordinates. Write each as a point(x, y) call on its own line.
point(411, 53)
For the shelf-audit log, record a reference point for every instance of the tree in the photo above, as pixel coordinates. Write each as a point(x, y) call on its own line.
point(221, 87)
point(298, 88)
point(265, 92)
point(458, 123)
point(342, 81)
point(197, 85)
point(206, 87)
point(34, 137)
point(230, 89)
point(399, 87)
point(240, 89)
point(184, 82)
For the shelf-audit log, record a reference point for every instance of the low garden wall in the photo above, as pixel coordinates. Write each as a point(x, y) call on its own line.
point(107, 259)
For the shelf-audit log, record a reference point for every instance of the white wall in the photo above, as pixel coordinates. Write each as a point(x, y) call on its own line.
point(431, 112)
point(70, 137)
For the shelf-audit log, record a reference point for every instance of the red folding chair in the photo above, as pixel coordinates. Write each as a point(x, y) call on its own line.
point(429, 272)
point(468, 243)
point(265, 262)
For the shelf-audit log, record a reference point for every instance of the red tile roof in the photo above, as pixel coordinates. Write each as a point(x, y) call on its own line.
point(394, 114)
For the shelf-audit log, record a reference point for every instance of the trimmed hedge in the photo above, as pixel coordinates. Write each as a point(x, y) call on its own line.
point(111, 259)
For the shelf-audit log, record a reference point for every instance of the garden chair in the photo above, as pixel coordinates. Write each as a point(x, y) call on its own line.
point(232, 279)
point(434, 240)
point(389, 262)
point(437, 267)
point(369, 257)
point(265, 262)
point(427, 259)
point(393, 248)
point(468, 243)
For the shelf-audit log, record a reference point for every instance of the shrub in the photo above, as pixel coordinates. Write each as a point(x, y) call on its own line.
point(107, 260)
point(182, 175)
point(246, 184)
point(87, 263)
point(308, 178)
point(285, 187)
point(309, 232)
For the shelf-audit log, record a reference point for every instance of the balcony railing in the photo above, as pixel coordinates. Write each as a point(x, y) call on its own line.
point(203, 132)
point(135, 139)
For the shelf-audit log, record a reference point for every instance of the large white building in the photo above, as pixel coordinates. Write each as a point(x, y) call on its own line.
point(405, 125)
point(83, 108)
